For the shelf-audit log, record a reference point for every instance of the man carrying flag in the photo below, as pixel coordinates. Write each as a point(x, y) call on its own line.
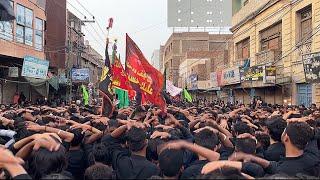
point(105, 86)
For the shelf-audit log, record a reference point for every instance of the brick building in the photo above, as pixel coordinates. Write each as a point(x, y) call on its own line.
point(179, 44)
point(278, 33)
point(67, 48)
point(18, 39)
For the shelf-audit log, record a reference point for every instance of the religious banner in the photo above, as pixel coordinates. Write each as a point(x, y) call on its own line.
point(254, 73)
point(119, 76)
point(142, 74)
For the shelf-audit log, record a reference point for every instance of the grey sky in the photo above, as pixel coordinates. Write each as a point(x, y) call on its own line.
point(144, 20)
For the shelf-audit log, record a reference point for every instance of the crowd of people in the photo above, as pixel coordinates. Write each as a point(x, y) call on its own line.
point(183, 141)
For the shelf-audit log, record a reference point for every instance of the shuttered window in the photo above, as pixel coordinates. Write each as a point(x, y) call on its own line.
point(270, 38)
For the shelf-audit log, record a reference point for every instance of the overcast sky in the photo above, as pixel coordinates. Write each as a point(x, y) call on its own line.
point(144, 20)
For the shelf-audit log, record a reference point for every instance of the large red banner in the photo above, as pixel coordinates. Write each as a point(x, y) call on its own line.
point(141, 73)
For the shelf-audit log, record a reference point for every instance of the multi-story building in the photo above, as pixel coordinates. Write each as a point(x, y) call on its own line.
point(67, 49)
point(18, 39)
point(179, 44)
point(92, 60)
point(276, 33)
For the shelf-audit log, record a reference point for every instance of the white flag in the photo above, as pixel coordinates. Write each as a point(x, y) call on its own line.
point(171, 89)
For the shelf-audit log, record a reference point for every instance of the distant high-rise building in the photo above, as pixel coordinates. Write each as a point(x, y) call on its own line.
point(199, 13)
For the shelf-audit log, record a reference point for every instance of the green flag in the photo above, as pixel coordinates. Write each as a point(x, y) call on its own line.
point(187, 96)
point(85, 95)
point(123, 98)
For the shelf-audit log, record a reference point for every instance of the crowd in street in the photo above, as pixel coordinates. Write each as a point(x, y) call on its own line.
point(213, 140)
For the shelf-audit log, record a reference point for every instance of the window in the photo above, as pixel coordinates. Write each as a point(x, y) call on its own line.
point(38, 34)
point(20, 15)
point(6, 28)
point(271, 38)
point(20, 34)
point(24, 31)
point(28, 38)
point(306, 24)
point(243, 49)
point(29, 17)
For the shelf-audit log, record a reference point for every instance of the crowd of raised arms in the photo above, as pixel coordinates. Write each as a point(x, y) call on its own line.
point(184, 141)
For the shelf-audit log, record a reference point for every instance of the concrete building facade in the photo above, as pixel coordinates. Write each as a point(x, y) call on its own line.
point(18, 39)
point(179, 44)
point(279, 33)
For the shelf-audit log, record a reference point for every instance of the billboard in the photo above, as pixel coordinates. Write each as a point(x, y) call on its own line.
point(199, 13)
point(80, 75)
point(230, 76)
point(311, 63)
point(34, 67)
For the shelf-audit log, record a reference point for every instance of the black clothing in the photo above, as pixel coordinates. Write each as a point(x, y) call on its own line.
point(194, 169)
point(275, 152)
point(129, 166)
point(307, 164)
point(76, 163)
point(22, 176)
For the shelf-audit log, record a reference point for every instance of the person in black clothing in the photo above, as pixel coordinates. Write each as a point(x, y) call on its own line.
point(130, 163)
point(276, 150)
point(205, 138)
point(76, 156)
point(171, 163)
point(22, 98)
point(98, 171)
point(302, 153)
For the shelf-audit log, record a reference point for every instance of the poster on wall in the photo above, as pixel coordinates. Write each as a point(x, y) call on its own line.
point(311, 63)
point(215, 80)
point(269, 75)
point(254, 73)
point(34, 67)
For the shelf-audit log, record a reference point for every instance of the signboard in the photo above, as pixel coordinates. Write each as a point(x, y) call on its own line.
point(230, 76)
point(13, 72)
point(80, 75)
point(215, 78)
point(269, 75)
point(311, 63)
point(35, 68)
point(254, 73)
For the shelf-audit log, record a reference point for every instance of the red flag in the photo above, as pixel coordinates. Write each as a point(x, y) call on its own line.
point(110, 23)
point(119, 76)
point(141, 73)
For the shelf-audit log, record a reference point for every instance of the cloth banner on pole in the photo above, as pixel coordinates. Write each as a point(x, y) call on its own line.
point(171, 89)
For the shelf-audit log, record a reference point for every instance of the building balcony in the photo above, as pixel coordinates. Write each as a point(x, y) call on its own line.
point(268, 56)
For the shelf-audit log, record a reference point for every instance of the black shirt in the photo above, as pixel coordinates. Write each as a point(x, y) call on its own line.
point(129, 166)
point(194, 169)
point(275, 152)
point(76, 163)
point(307, 164)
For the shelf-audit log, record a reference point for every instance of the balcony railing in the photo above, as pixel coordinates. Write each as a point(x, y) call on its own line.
point(268, 56)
